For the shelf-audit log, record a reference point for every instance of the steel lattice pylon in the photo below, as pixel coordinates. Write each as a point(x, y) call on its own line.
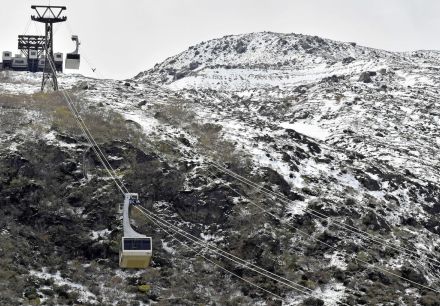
point(26, 43)
point(49, 15)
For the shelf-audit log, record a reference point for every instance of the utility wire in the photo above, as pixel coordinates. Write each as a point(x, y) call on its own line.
point(161, 226)
point(102, 157)
point(333, 247)
point(322, 216)
point(318, 214)
point(362, 234)
point(253, 266)
point(424, 257)
point(96, 148)
point(93, 68)
point(27, 27)
point(229, 256)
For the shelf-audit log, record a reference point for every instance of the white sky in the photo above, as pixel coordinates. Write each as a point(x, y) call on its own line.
point(124, 37)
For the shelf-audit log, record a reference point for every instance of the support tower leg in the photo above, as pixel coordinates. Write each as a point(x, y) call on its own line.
point(49, 69)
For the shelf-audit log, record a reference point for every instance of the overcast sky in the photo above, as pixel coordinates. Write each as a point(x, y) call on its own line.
point(123, 37)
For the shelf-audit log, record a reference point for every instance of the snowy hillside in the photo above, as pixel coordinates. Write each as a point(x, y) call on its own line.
point(265, 60)
point(347, 136)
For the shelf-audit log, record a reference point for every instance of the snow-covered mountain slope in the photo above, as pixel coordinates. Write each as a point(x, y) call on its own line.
point(322, 85)
point(342, 131)
point(263, 60)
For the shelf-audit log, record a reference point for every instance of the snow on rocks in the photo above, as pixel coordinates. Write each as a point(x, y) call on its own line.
point(85, 295)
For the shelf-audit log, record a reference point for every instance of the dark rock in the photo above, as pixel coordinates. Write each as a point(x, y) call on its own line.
point(368, 182)
point(75, 199)
point(411, 221)
point(184, 141)
point(374, 222)
point(82, 85)
point(30, 293)
point(413, 275)
point(327, 241)
point(273, 177)
point(171, 71)
point(206, 207)
point(365, 77)
point(142, 103)
point(194, 65)
point(294, 134)
point(286, 157)
point(264, 138)
point(15, 161)
point(348, 60)
point(180, 75)
point(314, 148)
point(333, 79)
point(254, 246)
point(313, 302)
point(379, 276)
point(300, 89)
point(348, 131)
point(66, 139)
point(240, 47)
point(68, 167)
point(434, 209)
point(300, 153)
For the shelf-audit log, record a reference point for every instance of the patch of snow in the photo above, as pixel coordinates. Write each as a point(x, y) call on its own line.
point(210, 238)
point(14, 145)
point(297, 208)
point(167, 248)
point(377, 194)
point(100, 234)
point(114, 158)
point(349, 180)
point(147, 123)
point(310, 130)
point(332, 293)
point(50, 136)
point(85, 295)
point(336, 260)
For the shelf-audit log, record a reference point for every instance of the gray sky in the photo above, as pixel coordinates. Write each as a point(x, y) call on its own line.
point(123, 37)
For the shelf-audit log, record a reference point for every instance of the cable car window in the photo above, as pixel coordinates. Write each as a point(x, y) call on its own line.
point(137, 244)
point(133, 200)
point(73, 56)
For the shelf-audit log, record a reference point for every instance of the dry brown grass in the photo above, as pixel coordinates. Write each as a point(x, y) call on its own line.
point(209, 135)
point(55, 114)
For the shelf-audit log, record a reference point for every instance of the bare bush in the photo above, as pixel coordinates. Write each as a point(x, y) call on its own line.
point(209, 135)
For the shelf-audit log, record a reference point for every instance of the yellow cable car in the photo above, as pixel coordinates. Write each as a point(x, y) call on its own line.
point(136, 249)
